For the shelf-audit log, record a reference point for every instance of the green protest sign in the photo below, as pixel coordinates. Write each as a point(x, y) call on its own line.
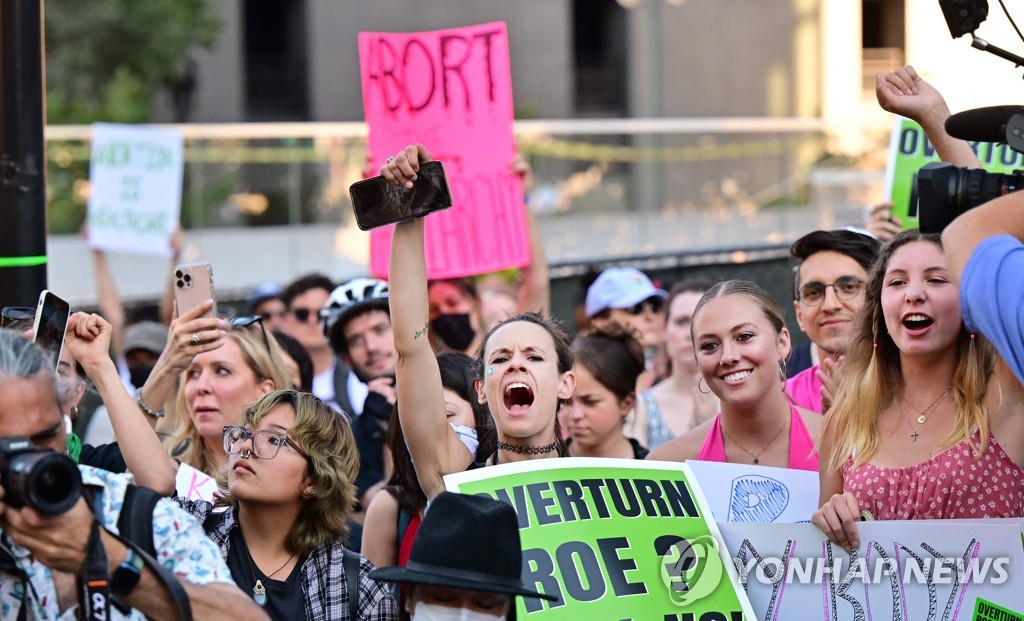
point(614, 539)
point(987, 611)
point(909, 150)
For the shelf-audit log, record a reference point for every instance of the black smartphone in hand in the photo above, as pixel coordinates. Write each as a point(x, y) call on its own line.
point(51, 321)
point(378, 202)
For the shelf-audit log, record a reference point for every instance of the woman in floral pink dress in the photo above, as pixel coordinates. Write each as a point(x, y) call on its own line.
point(926, 422)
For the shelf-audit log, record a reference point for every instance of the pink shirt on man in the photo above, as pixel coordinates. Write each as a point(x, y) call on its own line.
point(804, 389)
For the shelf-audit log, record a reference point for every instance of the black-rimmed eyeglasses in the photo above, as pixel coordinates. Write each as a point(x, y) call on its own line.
point(265, 443)
point(845, 287)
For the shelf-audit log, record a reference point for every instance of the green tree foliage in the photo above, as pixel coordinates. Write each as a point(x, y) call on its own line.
point(106, 60)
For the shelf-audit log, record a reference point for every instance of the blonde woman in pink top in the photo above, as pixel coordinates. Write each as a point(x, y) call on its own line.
point(741, 342)
point(925, 423)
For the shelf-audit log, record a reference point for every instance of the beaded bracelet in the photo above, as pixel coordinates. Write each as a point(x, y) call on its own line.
point(145, 408)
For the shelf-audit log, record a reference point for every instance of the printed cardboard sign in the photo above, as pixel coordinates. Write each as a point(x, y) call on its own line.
point(614, 539)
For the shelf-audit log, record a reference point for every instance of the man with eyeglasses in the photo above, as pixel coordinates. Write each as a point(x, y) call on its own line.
point(829, 281)
point(303, 299)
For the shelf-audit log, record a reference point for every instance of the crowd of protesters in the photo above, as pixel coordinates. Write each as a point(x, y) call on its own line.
point(329, 415)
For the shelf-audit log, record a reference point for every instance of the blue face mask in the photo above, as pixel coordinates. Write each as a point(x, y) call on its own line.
point(467, 435)
point(434, 612)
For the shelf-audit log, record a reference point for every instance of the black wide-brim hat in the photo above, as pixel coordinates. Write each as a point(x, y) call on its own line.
point(465, 542)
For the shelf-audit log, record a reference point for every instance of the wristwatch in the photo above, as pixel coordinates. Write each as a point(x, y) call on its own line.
point(127, 574)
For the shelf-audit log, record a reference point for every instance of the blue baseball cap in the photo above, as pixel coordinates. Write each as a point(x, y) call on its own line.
point(620, 287)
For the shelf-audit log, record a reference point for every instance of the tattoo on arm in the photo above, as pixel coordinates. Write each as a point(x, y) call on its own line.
point(422, 331)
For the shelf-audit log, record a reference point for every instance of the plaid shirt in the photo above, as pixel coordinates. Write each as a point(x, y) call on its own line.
point(323, 574)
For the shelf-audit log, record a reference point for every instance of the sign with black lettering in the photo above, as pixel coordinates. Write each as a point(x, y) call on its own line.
point(935, 570)
point(614, 539)
point(450, 90)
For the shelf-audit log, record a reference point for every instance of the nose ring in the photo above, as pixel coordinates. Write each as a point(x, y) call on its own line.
point(246, 453)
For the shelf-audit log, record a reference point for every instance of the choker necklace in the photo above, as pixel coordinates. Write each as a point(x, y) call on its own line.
point(924, 413)
point(259, 592)
point(527, 450)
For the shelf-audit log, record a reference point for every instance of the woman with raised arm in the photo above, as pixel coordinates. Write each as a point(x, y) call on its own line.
point(925, 423)
point(742, 343)
point(87, 341)
point(525, 365)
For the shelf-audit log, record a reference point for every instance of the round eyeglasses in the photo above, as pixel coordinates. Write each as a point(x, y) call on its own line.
point(845, 287)
point(265, 443)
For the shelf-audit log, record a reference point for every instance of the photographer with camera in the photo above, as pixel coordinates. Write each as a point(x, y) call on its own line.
point(59, 523)
point(983, 244)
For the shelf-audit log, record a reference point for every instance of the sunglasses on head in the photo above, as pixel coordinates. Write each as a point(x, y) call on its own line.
point(246, 321)
point(654, 304)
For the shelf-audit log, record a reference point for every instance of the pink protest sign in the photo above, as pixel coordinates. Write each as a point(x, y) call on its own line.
point(452, 91)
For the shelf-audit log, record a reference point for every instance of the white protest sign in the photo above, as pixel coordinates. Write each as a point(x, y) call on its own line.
point(908, 571)
point(135, 179)
point(746, 493)
point(193, 484)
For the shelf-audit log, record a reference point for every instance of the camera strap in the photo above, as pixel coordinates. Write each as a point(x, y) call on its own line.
point(94, 581)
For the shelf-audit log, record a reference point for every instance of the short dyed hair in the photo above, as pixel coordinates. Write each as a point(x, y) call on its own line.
point(333, 462)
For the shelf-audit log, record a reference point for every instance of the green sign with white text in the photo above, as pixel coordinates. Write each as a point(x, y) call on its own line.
point(614, 539)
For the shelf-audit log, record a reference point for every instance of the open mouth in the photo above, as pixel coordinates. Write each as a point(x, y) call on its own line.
point(917, 321)
point(518, 397)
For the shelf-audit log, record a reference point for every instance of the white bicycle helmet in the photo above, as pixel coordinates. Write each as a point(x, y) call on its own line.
point(357, 294)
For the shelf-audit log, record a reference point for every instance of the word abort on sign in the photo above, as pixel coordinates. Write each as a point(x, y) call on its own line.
point(450, 90)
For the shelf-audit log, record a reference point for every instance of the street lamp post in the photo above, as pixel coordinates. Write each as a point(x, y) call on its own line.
point(22, 154)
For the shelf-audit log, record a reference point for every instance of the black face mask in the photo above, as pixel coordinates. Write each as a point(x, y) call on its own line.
point(138, 375)
point(455, 330)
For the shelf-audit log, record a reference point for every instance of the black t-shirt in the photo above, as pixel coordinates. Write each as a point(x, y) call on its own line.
point(105, 457)
point(285, 598)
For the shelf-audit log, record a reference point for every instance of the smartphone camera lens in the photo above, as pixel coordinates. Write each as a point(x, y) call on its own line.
point(177, 274)
point(188, 278)
point(181, 284)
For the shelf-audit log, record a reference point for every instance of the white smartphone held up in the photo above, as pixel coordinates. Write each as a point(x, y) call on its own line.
point(51, 321)
point(193, 285)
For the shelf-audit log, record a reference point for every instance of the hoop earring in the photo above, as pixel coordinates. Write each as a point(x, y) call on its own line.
point(782, 370)
point(74, 408)
point(706, 392)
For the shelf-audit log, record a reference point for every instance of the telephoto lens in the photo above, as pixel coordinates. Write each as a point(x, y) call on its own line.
point(945, 191)
point(45, 480)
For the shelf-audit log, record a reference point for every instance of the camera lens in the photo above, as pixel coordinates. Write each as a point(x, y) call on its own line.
point(188, 278)
point(44, 480)
point(177, 274)
point(181, 284)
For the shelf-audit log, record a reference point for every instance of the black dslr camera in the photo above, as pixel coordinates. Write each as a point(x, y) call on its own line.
point(45, 480)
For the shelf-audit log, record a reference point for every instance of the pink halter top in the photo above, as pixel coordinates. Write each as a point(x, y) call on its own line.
point(802, 453)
